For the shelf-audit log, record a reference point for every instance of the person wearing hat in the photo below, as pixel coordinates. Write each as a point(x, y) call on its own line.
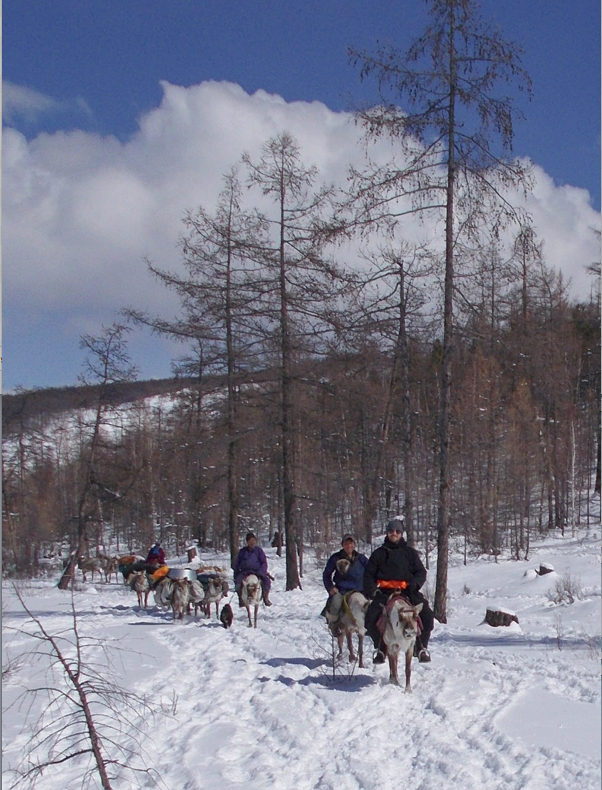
point(251, 559)
point(395, 561)
point(155, 557)
point(343, 573)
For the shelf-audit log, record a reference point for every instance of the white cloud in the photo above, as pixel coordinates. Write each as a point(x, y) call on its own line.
point(81, 212)
point(21, 102)
point(24, 104)
point(567, 223)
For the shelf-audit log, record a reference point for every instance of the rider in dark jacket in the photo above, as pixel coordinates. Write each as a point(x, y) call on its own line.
point(396, 561)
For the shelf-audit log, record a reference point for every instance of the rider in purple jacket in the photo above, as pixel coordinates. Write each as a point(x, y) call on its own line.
point(251, 559)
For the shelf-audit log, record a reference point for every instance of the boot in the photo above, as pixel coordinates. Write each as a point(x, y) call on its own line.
point(266, 598)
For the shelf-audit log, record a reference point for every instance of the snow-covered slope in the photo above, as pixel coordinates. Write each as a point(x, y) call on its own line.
point(514, 708)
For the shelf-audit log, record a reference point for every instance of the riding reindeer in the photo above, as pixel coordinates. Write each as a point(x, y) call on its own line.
point(347, 621)
point(250, 595)
point(400, 625)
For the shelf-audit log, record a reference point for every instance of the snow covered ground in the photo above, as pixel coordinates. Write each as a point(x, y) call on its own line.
point(515, 708)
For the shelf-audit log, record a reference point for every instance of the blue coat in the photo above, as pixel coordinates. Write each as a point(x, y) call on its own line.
point(352, 580)
point(251, 561)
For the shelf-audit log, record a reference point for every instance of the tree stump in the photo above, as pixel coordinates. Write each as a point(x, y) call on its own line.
point(191, 553)
point(544, 568)
point(497, 617)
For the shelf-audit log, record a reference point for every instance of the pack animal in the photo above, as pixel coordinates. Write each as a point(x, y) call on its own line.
point(128, 563)
point(89, 565)
point(250, 595)
point(110, 566)
point(400, 625)
point(217, 588)
point(196, 596)
point(162, 592)
point(350, 621)
point(138, 582)
point(180, 597)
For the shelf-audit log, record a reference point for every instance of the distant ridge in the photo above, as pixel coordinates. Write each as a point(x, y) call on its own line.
point(22, 406)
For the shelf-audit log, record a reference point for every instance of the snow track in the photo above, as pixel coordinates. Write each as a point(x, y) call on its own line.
point(514, 709)
point(290, 724)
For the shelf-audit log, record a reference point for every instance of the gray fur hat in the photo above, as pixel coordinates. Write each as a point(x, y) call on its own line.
point(397, 522)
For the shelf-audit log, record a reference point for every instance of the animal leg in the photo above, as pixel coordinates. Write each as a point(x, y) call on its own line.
point(392, 656)
point(360, 649)
point(255, 618)
point(352, 656)
point(249, 616)
point(409, 654)
point(340, 639)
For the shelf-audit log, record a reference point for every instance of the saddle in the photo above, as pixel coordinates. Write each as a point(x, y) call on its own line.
point(333, 619)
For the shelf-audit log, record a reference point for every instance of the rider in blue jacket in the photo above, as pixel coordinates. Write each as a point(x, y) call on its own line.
point(343, 573)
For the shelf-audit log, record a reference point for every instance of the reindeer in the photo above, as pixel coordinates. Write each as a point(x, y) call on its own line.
point(349, 620)
point(109, 566)
point(138, 582)
point(400, 625)
point(180, 597)
point(162, 592)
point(216, 589)
point(88, 565)
point(250, 595)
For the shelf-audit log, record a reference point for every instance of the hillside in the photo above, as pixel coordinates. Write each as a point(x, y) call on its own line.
point(510, 708)
point(21, 408)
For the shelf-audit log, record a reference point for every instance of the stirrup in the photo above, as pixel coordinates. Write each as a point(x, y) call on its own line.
point(379, 657)
point(424, 656)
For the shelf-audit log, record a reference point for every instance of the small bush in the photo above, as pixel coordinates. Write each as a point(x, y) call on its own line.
point(566, 590)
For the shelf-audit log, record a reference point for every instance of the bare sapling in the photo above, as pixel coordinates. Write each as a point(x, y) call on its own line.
point(81, 711)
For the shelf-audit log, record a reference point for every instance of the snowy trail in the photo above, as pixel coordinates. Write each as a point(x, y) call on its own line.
point(496, 708)
point(285, 705)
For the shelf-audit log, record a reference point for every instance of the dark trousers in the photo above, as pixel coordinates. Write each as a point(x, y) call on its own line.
point(376, 606)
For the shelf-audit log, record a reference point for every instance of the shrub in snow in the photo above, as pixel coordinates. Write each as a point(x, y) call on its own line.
point(566, 590)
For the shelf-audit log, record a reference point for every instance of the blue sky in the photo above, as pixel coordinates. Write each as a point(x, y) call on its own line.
point(100, 67)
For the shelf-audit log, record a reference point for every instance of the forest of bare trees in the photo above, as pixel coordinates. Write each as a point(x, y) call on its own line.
point(524, 447)
point(454, 382)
